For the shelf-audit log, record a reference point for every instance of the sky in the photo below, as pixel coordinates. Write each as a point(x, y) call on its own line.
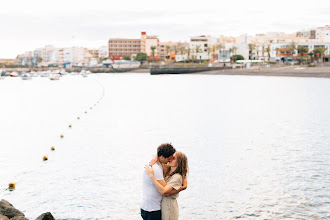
point(27, 25)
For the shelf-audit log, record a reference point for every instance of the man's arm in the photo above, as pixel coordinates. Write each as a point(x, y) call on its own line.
point(174, 191)
point(162, 182)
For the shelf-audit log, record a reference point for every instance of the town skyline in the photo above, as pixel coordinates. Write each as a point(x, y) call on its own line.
point(33, 24)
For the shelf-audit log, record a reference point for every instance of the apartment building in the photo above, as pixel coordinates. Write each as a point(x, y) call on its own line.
point(119, 47)
point(200, 46)
point(281, 51)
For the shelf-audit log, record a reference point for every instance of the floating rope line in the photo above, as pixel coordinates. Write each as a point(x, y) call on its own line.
point(12, 185)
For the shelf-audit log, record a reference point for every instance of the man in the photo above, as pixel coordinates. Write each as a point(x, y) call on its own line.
point(151, 201)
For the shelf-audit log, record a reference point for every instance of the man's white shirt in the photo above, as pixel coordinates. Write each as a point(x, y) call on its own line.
point(152, 198)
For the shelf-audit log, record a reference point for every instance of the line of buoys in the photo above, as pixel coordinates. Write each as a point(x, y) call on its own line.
point(12, 185)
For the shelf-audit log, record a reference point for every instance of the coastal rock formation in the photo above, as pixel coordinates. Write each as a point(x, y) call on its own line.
point(8, 210)
point(46, 216)
point(19, 218)
point(2, 217)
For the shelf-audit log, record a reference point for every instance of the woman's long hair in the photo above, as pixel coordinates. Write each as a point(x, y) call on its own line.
point(182, 167)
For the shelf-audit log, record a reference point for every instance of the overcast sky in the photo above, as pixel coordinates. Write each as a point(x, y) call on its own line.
point(29, 24)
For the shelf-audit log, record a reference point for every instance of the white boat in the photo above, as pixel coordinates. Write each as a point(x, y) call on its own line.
point(13, 74)
point(26, 76)
point(54, 77)
point(2, 77)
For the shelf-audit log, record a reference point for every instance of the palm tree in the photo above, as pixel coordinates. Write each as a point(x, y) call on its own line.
point(267, 50)
point(251, 50)
point(310, 54)
point(197, 48)
point(182, 50)
point(221, 47)
point(214, 49)
point(302, 50)
point(322, 50)
point(209, 50)
point(234, 49)
point(292, 46)
point(168, 49)
point(188, 53)
point(175, 48)
point(153, 48)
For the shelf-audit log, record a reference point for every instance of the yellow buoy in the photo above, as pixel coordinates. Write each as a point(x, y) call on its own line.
point(78, 117)
point(52, 148)
point(62, 135)
point(11, 186)
point(70, 126)
point(45, 158)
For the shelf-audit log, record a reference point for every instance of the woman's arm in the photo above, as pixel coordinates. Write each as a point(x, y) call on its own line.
point(174, 191)
point(162, 189)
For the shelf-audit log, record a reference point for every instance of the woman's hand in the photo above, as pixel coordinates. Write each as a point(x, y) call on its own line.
point(149, 170)
point(154, 160)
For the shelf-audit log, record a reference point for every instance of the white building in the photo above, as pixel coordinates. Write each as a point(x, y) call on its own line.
point(275, 56)
point(103, 52)
point(200, 47)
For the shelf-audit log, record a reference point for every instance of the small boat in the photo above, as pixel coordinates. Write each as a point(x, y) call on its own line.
point(54, 77)
point(83, 73)
point(26, 76)
point(2, 77)
point(13, 74)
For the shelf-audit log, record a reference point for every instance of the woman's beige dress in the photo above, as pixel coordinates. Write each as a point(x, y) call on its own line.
point(170, 208)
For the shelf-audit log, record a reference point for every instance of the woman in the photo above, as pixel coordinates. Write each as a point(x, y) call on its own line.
point(174, 173)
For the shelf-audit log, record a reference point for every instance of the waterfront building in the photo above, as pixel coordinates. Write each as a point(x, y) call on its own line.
point(283, 53)
point(7, 62)
point(166, 48)
point(103, 52)
point(119, 47)
point(201, 47)
point(149, 41)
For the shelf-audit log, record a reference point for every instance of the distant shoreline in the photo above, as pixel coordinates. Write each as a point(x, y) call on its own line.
point(289, 71)
point(286, 71)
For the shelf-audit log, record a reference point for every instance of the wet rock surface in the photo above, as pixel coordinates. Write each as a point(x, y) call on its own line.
point(9, 212)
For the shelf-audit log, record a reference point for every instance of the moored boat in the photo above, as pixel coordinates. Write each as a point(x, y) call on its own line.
point(13, 74)
point(26, 76)
point(54, 77)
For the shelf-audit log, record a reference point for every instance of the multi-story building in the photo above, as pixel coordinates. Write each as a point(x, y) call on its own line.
point(201, 46)
point(103, 52)
point(166, 48)
point(119, 47)
point(282, 51)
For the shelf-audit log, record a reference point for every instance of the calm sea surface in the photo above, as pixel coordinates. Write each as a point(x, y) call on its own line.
point(258, 147)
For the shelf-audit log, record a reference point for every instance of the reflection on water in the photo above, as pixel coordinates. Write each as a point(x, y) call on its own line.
point(258, 147)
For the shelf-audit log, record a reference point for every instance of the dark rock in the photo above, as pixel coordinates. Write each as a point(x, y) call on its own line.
point(8, 210)
point(46, 216)
point(19, 218)
point(2, 217)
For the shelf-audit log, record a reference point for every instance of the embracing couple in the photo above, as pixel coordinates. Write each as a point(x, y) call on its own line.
point(164, 177)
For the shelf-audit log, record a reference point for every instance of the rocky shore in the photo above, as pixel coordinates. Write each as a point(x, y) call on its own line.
point(8, 211)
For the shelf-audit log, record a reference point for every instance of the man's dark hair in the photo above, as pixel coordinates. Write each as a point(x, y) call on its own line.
point(166, 150)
